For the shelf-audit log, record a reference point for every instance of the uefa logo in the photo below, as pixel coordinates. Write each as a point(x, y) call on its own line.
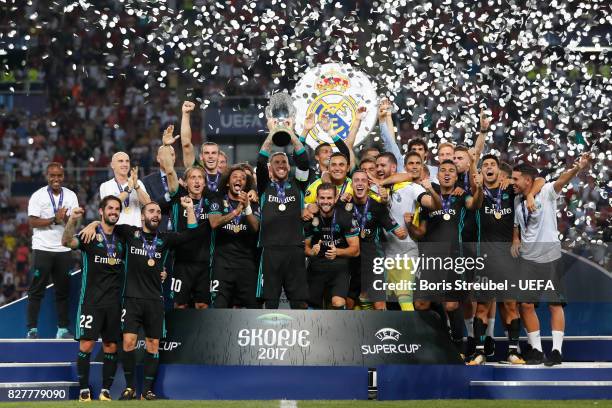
point(387, 334)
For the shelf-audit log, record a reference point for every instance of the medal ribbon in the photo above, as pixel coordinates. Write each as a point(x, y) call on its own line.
point(59, 203)
point(164, 180)
point(198, 210)
point(110, 247)
point(238, 218)
point(213, 185)
point(446, 204)
point(126, 202)
point(331, 227)
point(497, 200)
point(149, 247)
point(526, 214)
point(280, 191)
point(344, 185)
point(362, 217)
point(466, 182)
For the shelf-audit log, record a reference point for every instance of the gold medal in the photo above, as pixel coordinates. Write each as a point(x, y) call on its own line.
point(498, 216)
point(363, 234)
point(236, 228)
point(126, 210)
point(348, 207)
point(151, 262)
point(112, 261)
point(315, 222)
point(446, 217)
point(282, 207)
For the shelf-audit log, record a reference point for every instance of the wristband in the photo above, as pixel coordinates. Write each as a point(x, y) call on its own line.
point(248, 210)
point(484, 130)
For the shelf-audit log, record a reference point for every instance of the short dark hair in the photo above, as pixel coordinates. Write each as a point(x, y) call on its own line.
point(318, 148)
point(492, 157)
point(55, 164)
point(389, 156)
point(108, 198)
point(144, 207)
point(461, 148)
point(417, 142)
point(326, 186)
point(526, 169)
point(359, 171)
point(410, 154)
point(365, 151)
point(506, 168)
point(448, 162)
point(278, 154)
point(338, 154)
point(226, 176)
point(367, 159)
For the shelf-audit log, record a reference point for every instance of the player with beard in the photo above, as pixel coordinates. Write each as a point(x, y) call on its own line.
point(497, 222)
point(373, 220)
point(331, 239)
point(440, 233)
point(537, 243)
point(143, 304)
point(281, 234)
point(99, 311)
point(404, 198)
point(235, 224)
point(209, 154)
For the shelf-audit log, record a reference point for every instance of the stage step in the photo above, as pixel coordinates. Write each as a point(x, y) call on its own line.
point(548, 390)
point(40, 350)
point(569, 371)
point(575, 348)
point(27, 372)
point(38, 391)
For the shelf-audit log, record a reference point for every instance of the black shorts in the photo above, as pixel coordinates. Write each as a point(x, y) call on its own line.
point(325, 279)
point(145, 313)
point(93, 322)
point(499, 267)
point(191, 283)
point(282, 267)
point(234, 286)
point(542, 282)
point(363, 276)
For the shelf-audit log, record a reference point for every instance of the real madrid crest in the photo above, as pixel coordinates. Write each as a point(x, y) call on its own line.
point(137, 234)
point(315, 222)
point(99, 237)
point(348, 207)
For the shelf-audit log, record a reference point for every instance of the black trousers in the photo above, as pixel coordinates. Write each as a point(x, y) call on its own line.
point(55, 267)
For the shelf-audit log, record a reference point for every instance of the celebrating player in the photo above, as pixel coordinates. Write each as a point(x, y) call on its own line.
point(281, 233)
point(331, 238)
point(235, 221)
point(99, 312)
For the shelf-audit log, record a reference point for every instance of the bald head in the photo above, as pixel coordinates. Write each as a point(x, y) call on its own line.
point(120, 164)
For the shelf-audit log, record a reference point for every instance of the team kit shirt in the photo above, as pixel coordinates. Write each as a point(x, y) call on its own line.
point(443, 225)
point(539, 236)
point(331, 230)
point(145, 257)
point(212, 180)
point(280, 206)
point(235, 243)
point(403, 198)
point(373, 220)
point(102, 266)
point(44, 204)
point(311, 191)
point(130, 215)
point(471, 219)
point(193, 251)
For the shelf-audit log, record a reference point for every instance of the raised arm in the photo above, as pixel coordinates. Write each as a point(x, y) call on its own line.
point(475, 201)
point(68, 237)
point(262, 172)
point(141, 191)
point(165, 158)
point(432, 200)
point(482, 135)
point(387, 133)
point(188, 149)
point(568, 175)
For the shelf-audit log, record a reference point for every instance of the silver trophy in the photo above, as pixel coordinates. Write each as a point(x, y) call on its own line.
point(281, 109)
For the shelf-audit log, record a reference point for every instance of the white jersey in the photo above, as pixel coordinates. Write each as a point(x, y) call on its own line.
point(40, 205)
point(402, 199)
point(539, 237)
point(130, 215)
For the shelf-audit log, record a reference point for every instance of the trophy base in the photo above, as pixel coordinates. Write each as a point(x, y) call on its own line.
point(281, 138)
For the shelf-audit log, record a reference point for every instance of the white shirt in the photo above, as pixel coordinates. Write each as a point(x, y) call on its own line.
point(49, 238)
point(402, 200)
point(130, 215)
point(540, 238)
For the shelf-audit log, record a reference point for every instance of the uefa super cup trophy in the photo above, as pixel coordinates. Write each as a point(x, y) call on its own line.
point(282, 111)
